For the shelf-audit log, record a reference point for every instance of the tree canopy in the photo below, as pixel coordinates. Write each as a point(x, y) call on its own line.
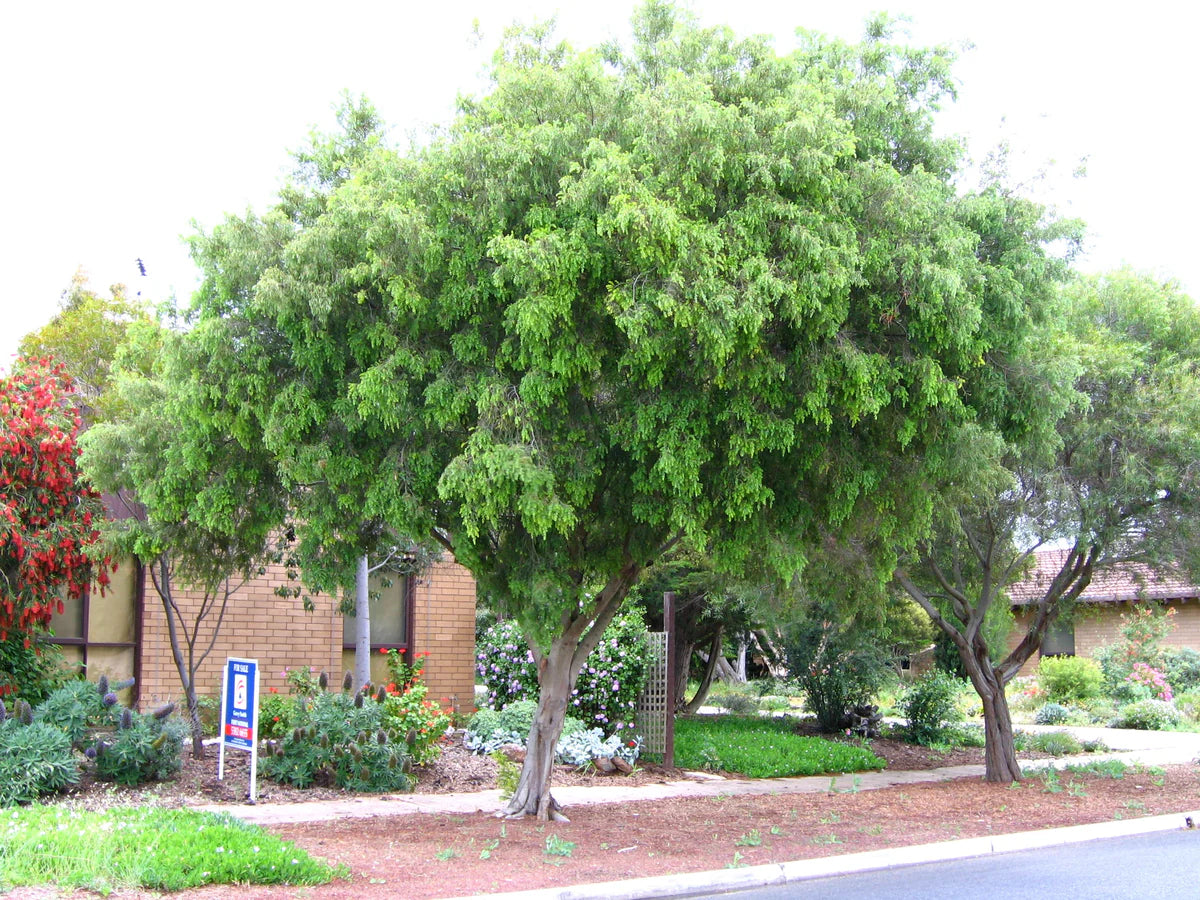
point(690, 293)
point(1095, 451)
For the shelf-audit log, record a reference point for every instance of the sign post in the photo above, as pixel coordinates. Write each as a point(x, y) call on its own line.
point(239, 715)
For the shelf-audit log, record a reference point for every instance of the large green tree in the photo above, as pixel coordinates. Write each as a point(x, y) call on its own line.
point(1097, 454)
point(694, 293)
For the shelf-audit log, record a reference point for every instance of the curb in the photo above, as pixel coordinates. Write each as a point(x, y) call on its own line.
point(724, 880)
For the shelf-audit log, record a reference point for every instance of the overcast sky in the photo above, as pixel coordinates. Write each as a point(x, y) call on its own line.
point(125, 122)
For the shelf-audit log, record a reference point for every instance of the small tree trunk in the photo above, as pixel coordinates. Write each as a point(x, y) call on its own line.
point(532, 796)
point(710, 669)
point(362, 624)
point(1000, 753)
point(193, 709)
point(743, 645)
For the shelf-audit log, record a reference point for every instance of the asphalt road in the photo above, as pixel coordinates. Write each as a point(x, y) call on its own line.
point(1160, 865)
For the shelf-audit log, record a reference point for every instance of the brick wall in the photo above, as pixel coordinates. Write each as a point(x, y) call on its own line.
point(279, 633)
point(1100, 623)
point(258, 624)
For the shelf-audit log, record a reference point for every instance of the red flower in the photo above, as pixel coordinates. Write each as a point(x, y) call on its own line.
point(384, 650)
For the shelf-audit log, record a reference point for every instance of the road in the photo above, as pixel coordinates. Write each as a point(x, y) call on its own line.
point(1158, 865)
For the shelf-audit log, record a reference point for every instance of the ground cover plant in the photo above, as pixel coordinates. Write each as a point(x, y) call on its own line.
point(763, 748)
point(159, 849)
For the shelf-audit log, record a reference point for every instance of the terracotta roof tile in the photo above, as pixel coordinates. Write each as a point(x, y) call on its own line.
point(1129, 581)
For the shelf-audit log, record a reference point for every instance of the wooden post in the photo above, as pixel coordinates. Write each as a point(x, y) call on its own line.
point(669, 627)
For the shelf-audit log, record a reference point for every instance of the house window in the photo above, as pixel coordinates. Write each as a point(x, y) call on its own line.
point(390, 615)
point(70, 626)
point(1059, 640)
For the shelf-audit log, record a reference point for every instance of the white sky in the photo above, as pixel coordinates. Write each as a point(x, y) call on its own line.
point(126, 121)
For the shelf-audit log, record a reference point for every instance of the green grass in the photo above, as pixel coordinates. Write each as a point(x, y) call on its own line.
point(158, 849)
point(763, 748)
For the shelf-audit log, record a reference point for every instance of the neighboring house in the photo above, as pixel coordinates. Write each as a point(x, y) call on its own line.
point(1097, 620)
point(124, 633)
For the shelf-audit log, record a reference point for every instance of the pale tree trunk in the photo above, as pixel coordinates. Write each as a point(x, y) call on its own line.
point(362, 623)
point(743, 646)
point(555, 679)
point(557, 671)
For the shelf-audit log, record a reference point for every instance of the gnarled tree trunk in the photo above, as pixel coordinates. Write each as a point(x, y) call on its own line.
point(1000, 754)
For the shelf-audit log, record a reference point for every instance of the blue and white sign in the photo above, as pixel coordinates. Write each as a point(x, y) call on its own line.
point(239, 714)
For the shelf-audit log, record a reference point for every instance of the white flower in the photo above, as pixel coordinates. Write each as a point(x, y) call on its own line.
point(220, 850)
point(295, 862)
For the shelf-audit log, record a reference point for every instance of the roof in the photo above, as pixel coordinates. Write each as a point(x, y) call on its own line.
point(1123, 582)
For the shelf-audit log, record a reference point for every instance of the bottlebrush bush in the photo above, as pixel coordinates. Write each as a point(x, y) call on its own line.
point(48, 512)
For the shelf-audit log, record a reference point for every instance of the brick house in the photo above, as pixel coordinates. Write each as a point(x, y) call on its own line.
point(124, 633)
point(1097, 620)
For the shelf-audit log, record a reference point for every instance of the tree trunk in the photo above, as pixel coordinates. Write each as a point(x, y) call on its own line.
point(743, 646)
point(362, 624)
point(725, 671)
point(555, 680)
point(710, 669)
point(193, 710)
point(1000, 753)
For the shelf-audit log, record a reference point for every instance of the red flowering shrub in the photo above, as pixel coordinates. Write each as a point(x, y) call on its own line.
point(48, 512)
point(409, 713)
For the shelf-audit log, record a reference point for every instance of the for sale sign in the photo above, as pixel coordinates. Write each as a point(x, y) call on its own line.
point(239, 714)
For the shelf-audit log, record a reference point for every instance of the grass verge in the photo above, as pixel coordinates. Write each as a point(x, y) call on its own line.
point(763, 748)
point(158, 849)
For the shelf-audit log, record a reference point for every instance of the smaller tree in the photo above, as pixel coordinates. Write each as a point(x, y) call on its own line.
point(202, 505)
point(49, 513)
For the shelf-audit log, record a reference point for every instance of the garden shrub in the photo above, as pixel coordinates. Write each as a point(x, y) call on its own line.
point(606, 691)
point(1070, 679)
point(79, 705)
point(35, 759)
point(1148, 683)
point(1148, 715)
point(1182, 668)
point(931, 704)
point(31, 672)
point(1056, 743)
point(141, 749)
point(1052, 714)
point(837, 669)
point(581, 747)
point(409, 714)
point(489, 728)
point(733, 700)
point(339, 740)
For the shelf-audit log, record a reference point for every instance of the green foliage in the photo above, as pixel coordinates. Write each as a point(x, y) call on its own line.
point(1051, 714)
point(408, 713)
point(734, 698)
point(1070, 679)
point(508, 774)
point(763, 748)
point(143, 748)
point(34, 760)
point(77, 706)
point(930, 705)
point(1142, 631)
point(125, 848)
point(1148, 715)
point(606, 691)
point(1182, 668)
point(489, 728)
point(85, 336)
point(339, 740)
point(31, 670)
point(1056, 743)
point(837, 668)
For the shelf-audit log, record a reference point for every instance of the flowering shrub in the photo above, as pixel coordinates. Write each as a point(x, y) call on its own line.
point(409, 714)
point(605, 694)
point(49, 514)
point(1148, 715)
point(1153, 681)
